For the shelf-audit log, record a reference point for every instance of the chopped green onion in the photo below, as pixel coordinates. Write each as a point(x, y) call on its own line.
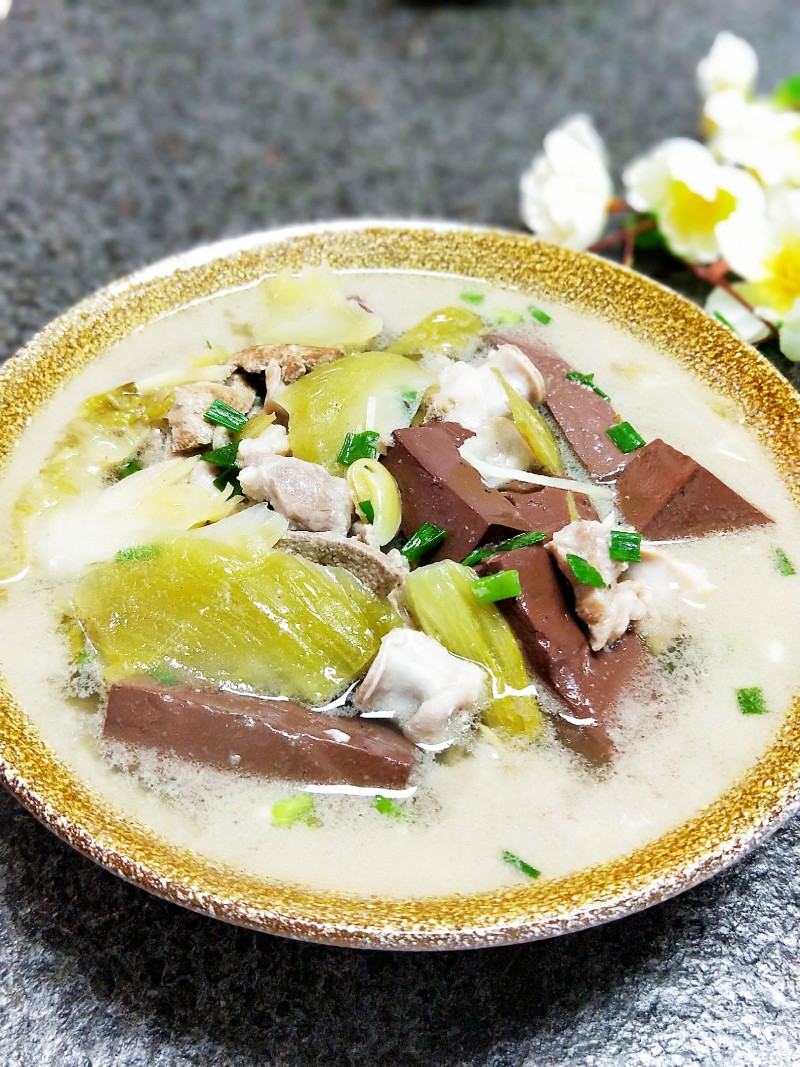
point(230, 476)
point(751, 701)
point(587, 380)
point(222, 457)
point(297, 808)
point(427, 537)
point(520, 541)
point(209, 346)
point(387, 806)
point(584, 571)
point(783, 563)
point(539, 315)
point(494, 587)
point(473, 298)
point(358, 446)
point(521, 865)
point(137, 552)
point(131, 467)
point(222, 414)
point(164, 675)
point(504, 317)
point(367, 510)
point(721, 318)
point(625, 437)
point(625, 545)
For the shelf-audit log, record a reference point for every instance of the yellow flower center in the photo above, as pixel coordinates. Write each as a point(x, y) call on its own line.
point(692, 213)
point(783, 284)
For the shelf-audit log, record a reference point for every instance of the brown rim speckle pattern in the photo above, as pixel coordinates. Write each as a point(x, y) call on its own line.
point(721, 834)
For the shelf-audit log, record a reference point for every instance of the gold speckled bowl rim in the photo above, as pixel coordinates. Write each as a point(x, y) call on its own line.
point(721, 834)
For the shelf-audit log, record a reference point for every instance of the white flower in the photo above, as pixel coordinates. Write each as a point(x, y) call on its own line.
point(789, 332)
point(755, 134)
point(690, 193)
point(765, 251)
point(566, 191)
point(724, 307)
point(731, 64)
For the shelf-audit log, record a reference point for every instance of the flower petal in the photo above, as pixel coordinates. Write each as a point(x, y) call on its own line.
point(731, 64)
point(722, 305)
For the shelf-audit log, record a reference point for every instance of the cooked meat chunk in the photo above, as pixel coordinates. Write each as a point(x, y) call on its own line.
point(156, 448)
point(471, 395)
point(671, 587)
point(425, 688)
point(186, 416)
point(382, 572)
point(274, 441)
point(309, 497)
point(607, 611)
point(294, 360)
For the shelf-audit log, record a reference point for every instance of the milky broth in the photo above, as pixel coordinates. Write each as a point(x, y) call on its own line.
point(678, 751)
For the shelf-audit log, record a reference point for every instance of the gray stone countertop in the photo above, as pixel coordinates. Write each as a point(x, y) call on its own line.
point(130, 131)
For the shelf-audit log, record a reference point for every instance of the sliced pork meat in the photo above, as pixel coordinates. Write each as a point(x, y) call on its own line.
point(420, 684)
point(274, 441)
point(519, 371)
point(156, 448)
point(382, 572)
point(671, 587)
point(607, 611)
point(309, 497)
point(186, 416)
point(293, 360)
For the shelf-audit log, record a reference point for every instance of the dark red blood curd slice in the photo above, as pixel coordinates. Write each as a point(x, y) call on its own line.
point(272, 738)
point(547, 510)
point(582, 415)
point(666, 494)
point(438, 486)
point(589, 683)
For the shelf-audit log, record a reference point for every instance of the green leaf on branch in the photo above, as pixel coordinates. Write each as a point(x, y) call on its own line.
point(787, 92)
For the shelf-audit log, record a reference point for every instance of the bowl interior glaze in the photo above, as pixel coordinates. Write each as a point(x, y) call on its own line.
point(717, 837)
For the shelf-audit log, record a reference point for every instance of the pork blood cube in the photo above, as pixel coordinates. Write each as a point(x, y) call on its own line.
point(547, 510)
point(666, 495)
point(273, 738)
point(438, 486)
point(589, 683)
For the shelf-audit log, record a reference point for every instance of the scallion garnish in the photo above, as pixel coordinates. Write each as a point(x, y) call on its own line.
point(494, 587)
point(131, 467)
point(163, 674)
point(721, 318)
point(387, 806)
point(625, 545)
point(222, 414)
point(358, 446)
point(751, 701)
point(539, 315)
point(783, 563)
point(222, 457)
point(588, 381)
point(520, 541)
point(427, 537)
point(505, 317)
point(625, 437)
point(521, 865)
point(229, 477)
point(137, 553)
point(585, 573)
point(473, 298)
point(367, 510)
point(297, 808)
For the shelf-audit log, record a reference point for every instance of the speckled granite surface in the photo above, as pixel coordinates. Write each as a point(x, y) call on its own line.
point(131, 131)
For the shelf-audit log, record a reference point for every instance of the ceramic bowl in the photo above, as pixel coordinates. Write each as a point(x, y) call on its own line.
point(698, 849)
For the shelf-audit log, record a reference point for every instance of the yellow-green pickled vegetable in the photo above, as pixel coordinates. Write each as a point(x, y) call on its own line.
point(256, 426)
point(372, 391)
point(311, 308)
point(106, 432)
point(268, 622)
point(452, 331)
point(441, 600)
point(369, 480)
point(538, 435)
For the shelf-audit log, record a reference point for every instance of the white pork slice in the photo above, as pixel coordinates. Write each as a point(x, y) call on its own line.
point(607, 610)
point(427, 690)
point(309, 497)
point(672, 588)
point(274, 441)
